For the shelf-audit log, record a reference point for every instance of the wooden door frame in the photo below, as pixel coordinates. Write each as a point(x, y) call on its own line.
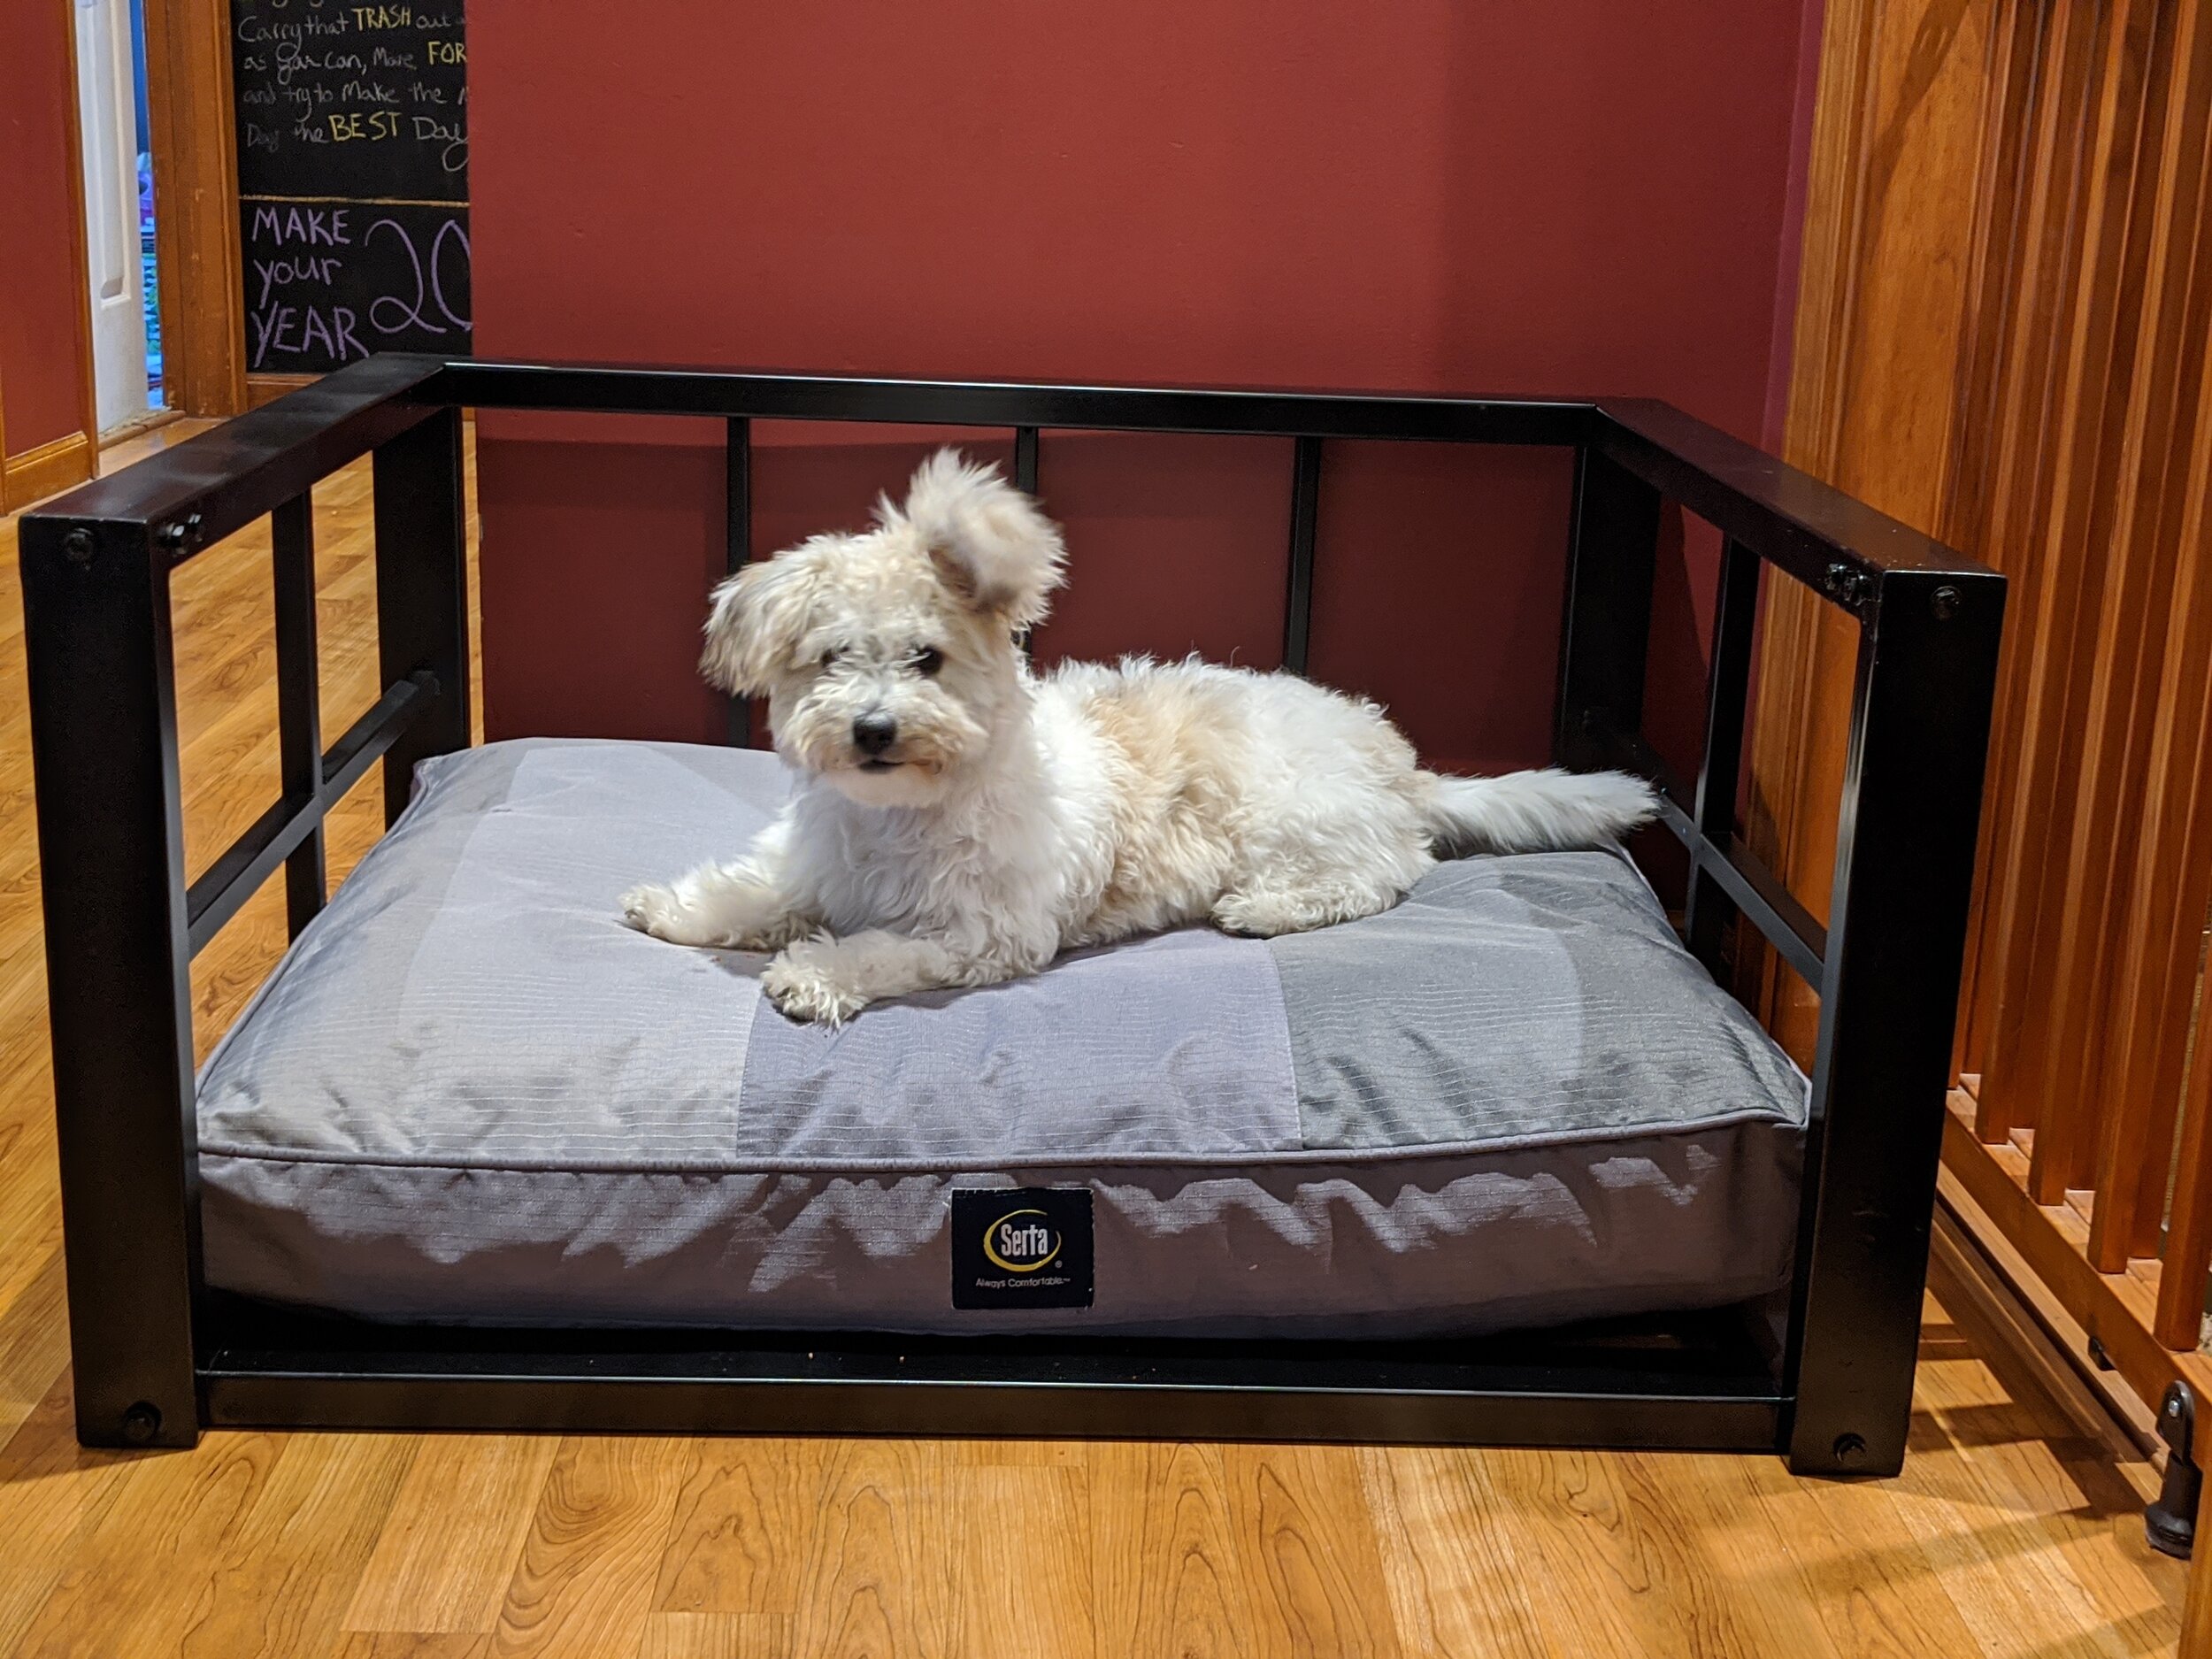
point(79, 254)
point(195, 206)
point(72, 457)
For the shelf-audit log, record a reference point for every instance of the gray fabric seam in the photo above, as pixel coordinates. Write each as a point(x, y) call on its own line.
point(1360, 1156)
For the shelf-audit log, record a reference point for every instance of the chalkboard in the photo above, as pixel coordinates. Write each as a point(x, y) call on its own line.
point(352, 179)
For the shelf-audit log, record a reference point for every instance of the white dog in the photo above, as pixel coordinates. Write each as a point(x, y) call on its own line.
point(962, 821)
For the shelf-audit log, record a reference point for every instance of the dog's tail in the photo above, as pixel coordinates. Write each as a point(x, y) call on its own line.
point(1535, 811)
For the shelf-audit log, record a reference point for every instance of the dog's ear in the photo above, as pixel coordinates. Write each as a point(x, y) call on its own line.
point(988, 542)
point(759, 616)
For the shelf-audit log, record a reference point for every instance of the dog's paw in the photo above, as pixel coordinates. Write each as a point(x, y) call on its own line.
point(804, 983)
point(652, 907)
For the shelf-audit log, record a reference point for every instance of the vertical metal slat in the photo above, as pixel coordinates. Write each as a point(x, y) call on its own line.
point(737, 533)
point(1025, 459)
point(299, 716)
point(1728, 689)
point(1026, 482)
point(422, 592)
point(1606, 632)
point(1305, 507)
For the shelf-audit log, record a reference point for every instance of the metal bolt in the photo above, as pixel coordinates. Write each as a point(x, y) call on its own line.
point(77, 546)
point(1846, 585)
point(1850, 1450)
point(181, 535)
point(142, 1422)
point(1945, 602)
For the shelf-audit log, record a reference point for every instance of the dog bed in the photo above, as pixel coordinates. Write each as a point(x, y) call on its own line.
point(470, 1093)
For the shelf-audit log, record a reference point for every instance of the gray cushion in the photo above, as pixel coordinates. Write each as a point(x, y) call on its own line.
point(470, 1093)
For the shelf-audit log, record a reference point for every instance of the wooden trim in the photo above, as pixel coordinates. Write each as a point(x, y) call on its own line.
point(2038, 1328)
point(195, 206)
point(46, 471)
point(1970, 1266)
point(79, 254)
point(2116, 1309)
point(137, 427)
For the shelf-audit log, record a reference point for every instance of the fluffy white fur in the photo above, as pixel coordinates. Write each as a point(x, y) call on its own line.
point(963, 821)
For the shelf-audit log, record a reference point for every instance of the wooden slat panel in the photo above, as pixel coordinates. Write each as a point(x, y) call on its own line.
point(2070, 368)
point(2180, 1322)
point(2158, 944)
point(2104, 410)
point(2189, 1243)
point(2057, 581)
point(2116, 1309)
point(1984, 388)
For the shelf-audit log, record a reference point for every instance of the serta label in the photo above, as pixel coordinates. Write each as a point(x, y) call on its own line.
point(1026, 1248)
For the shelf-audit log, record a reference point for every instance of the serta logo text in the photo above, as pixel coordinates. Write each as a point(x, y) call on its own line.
point(1024, 1249)
point(1021, 1242)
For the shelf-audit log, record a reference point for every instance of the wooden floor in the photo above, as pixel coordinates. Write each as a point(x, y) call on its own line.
point(2011, 1533)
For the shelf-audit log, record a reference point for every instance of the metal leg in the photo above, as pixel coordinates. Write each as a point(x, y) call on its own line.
point(1896, 937)
point(110, 834)
point(422, 598)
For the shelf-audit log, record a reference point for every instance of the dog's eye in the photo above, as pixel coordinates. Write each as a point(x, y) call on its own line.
point(928, 660)
point(829, 658)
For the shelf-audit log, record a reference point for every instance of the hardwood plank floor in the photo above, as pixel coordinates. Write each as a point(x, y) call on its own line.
point(2010, 1534)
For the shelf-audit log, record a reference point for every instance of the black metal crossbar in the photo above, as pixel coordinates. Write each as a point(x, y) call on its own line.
point(293, 822)
point(1827, 1382)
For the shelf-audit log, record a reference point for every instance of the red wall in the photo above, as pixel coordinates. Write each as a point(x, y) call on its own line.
point(42, 310)
point(1581, 197)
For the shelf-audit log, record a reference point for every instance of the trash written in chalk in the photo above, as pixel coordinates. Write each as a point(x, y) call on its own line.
point(353, 180)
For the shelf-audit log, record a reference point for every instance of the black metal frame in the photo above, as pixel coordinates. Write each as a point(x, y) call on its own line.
point(1827, 1382)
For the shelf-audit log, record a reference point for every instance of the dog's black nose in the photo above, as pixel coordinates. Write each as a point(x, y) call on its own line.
point(872, 734)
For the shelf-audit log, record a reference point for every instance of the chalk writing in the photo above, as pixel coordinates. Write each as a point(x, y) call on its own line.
point(352, 123)
point(328, 284)
point(298, 224)
point(429, 280)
